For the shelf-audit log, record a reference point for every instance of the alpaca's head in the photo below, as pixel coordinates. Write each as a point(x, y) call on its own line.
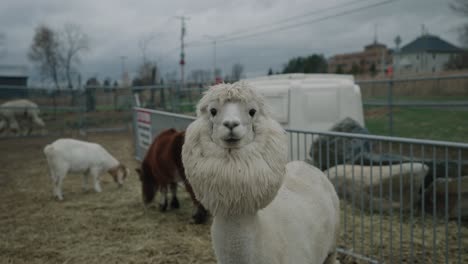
point(232, 111)
point(234, 153)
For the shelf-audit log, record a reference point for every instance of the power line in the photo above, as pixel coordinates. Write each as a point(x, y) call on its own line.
point(250, 35)
point(347, 12)
point(297, 17)
point(279, 22)
point(282, 21)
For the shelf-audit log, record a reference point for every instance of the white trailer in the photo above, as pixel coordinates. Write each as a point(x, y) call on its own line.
point(310, 101)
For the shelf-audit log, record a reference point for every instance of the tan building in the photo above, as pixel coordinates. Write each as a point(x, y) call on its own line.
point(363, 62)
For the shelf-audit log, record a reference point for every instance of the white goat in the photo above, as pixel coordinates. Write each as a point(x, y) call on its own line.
point(22, 109)
point(265, 209)
point(71, 155)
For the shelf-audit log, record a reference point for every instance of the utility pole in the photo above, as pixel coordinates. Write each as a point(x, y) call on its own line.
point(375, 33)
point(182, 52)
point(3, 46)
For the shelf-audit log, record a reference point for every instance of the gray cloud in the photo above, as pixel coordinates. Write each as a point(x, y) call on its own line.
point(116, 27)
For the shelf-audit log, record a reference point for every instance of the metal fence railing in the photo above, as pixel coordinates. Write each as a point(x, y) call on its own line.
point(66, 112)
point(403, 200)
point(42, 121)
point(417, 107)
point(404, 107)
point(170, 97)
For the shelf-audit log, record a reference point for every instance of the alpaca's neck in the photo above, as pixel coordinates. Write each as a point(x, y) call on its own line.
point(235, 239)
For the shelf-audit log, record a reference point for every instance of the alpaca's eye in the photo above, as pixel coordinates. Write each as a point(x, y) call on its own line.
point(252, 112)
point(213, 111)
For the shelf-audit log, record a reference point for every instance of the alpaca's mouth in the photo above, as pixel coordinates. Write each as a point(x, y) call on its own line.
point(232, 140)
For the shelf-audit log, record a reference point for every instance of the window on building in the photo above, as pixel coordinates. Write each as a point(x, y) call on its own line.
point(433, 69)
point(417, 56)
point(433, 56)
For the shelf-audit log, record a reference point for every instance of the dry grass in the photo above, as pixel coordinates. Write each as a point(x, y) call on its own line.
point(381, 237)
point(109, 227)
point(112, 227)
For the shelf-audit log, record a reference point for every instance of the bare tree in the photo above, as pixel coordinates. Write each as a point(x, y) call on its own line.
point(148, 70)
point(144, 44)
point(218, 73)
point(206, 76)
point(195, 75)
point(73, 43)
point(107, 82)
point(57, 53)
point(200, 76)
point(171, 77)
point(237, 72)
point(148, 73)
point(460, 7)
point(45, 52)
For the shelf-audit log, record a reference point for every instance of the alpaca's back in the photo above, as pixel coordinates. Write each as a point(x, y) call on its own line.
point(304, 216)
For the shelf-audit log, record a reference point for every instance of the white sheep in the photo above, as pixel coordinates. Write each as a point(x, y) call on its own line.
point(21, 109)
point(265, 209)
point(71, 155)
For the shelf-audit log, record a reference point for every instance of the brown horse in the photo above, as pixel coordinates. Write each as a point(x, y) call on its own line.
point(162, 168)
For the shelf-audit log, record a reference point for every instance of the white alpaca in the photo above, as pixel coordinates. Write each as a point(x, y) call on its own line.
point(265, 209)
point(71, 155)
point(22, 109)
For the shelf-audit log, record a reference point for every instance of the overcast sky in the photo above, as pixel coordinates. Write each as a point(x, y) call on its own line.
point(116, 27)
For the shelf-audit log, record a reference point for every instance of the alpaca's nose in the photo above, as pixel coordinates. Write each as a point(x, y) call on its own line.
point(231, 124)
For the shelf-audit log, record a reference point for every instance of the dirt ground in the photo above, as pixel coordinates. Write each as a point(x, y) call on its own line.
point(107, 227)
point(113, 227)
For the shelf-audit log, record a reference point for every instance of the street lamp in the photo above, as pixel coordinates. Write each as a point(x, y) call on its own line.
point(213, 38)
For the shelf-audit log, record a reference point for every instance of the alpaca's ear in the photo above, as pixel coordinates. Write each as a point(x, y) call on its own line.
point(201, 109)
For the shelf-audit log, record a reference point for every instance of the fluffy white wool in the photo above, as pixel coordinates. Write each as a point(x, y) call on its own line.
point(234, 181)
point(265, 211)
point(239, 91)
point(299, 226)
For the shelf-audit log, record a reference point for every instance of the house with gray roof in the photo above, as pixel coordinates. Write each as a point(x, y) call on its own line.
point(13, 81)
point(426, 54)
point(13, 75)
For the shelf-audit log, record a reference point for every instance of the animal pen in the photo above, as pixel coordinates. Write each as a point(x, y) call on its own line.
point(402, 200)
point(98, 108)
point(417, 106)
point(72, 112)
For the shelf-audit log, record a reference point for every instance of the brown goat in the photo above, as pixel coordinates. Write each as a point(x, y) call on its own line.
point(162, 168)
